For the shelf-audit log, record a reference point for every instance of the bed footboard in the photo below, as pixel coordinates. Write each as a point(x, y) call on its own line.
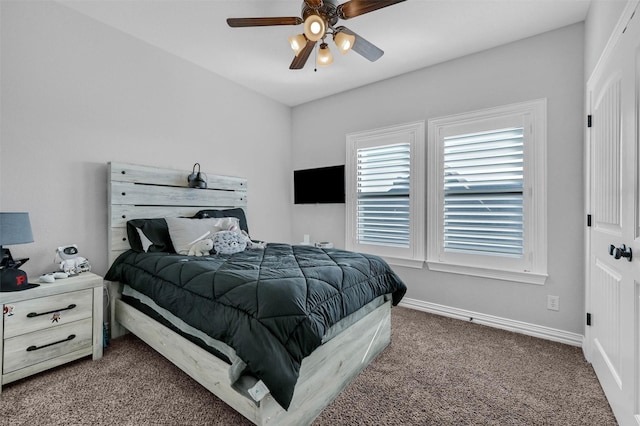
point(323, 374)
point(330, 368)
point(208, 370)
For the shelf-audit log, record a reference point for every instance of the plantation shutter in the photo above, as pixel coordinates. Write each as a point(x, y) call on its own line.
point(383, 189)
point(483, 193)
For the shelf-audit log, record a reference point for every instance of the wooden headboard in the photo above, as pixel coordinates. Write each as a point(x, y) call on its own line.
point(137, 192)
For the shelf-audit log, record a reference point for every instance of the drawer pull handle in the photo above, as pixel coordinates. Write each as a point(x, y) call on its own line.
point(35, 314)
point(35, 348)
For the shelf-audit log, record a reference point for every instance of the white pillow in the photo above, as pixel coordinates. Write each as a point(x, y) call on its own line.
point(184, 232)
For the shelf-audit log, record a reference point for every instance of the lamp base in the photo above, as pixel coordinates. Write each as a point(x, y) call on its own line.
point(5, 257)
point(8, 262)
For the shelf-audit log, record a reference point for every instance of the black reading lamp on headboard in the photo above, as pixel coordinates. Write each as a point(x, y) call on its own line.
point(195, 179)
point(15, 228)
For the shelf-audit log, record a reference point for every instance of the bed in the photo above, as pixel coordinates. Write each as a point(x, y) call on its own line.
point(274, 331)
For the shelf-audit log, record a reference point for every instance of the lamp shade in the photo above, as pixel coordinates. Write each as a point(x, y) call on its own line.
point(297, 42)
point(15, 228)
point(324, 55)
point(344, 41)
point(314, 27)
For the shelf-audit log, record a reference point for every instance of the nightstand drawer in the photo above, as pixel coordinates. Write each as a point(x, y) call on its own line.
point(32, 348)
point(45, 312)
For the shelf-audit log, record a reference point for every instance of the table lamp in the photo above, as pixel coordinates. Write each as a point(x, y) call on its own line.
point(15, 228)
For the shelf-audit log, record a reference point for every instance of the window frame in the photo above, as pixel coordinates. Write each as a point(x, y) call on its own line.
point(532, 267)
point(414, 134)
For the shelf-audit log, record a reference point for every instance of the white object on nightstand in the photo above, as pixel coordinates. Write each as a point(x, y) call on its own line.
point(50, 325)
point(52, 277)
point(306, 241)
point(324, 244)
point(47, 278)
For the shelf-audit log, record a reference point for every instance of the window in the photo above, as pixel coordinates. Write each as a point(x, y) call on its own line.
point(487, 210)
point(385, 187)
point(483, 187)
point(383, 195)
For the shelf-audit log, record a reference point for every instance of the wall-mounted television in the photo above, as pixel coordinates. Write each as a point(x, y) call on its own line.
point(322, 185)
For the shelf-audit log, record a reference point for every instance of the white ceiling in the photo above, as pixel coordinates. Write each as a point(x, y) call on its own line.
point(414, 34)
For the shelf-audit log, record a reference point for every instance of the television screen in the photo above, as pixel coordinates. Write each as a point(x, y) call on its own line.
point(322, 185)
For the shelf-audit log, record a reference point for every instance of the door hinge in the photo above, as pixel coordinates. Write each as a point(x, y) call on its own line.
point(589, 220)
point(588, 318)
point(589, 120)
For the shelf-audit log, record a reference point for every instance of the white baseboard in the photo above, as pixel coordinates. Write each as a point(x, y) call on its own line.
point(542, 332)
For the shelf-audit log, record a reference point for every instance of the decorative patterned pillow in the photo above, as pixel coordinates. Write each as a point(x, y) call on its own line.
point(185, 232)
point(237, 212)
point(228, 242)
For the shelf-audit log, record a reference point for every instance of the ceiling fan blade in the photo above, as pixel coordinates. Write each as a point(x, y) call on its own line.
point(355, 8)
point(301, 58)
point(264, 22)
point(363, 47)
point(313, 3)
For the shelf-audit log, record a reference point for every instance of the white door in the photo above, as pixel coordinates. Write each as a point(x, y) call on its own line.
point(613, 288)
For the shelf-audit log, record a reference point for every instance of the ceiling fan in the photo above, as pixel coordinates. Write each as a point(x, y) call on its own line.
point(320, 18)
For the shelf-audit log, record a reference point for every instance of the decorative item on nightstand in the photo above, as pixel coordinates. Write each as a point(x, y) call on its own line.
point(15, 228)
point(306, 241)
point(324, 244)
point(70, 262)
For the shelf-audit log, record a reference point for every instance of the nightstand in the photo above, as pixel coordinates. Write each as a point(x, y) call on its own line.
point(50, 325)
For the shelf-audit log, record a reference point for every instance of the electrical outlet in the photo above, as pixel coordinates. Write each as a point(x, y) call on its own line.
point(553, 302)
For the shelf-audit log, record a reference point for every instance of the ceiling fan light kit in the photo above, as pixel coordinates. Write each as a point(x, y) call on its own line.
point(314, 27)
point(324, 55)
point(319, 18)
point(344, 41)
point(298, 42)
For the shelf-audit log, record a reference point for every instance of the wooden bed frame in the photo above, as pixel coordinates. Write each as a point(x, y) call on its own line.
point(146, 192)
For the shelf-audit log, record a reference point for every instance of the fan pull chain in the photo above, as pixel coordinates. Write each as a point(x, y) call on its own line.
point(315, 63)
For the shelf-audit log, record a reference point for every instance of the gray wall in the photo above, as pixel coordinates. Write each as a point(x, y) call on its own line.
point(549, 66)
point(77, 94)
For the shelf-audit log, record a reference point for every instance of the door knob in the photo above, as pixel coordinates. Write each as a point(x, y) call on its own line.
point(622, 251)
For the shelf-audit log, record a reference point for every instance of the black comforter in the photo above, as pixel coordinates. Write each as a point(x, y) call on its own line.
point(272, 306)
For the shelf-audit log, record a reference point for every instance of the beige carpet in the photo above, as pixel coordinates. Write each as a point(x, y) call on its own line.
point(437, 371)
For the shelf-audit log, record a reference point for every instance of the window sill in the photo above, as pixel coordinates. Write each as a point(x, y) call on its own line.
point(497, 274)
point(407, 263)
